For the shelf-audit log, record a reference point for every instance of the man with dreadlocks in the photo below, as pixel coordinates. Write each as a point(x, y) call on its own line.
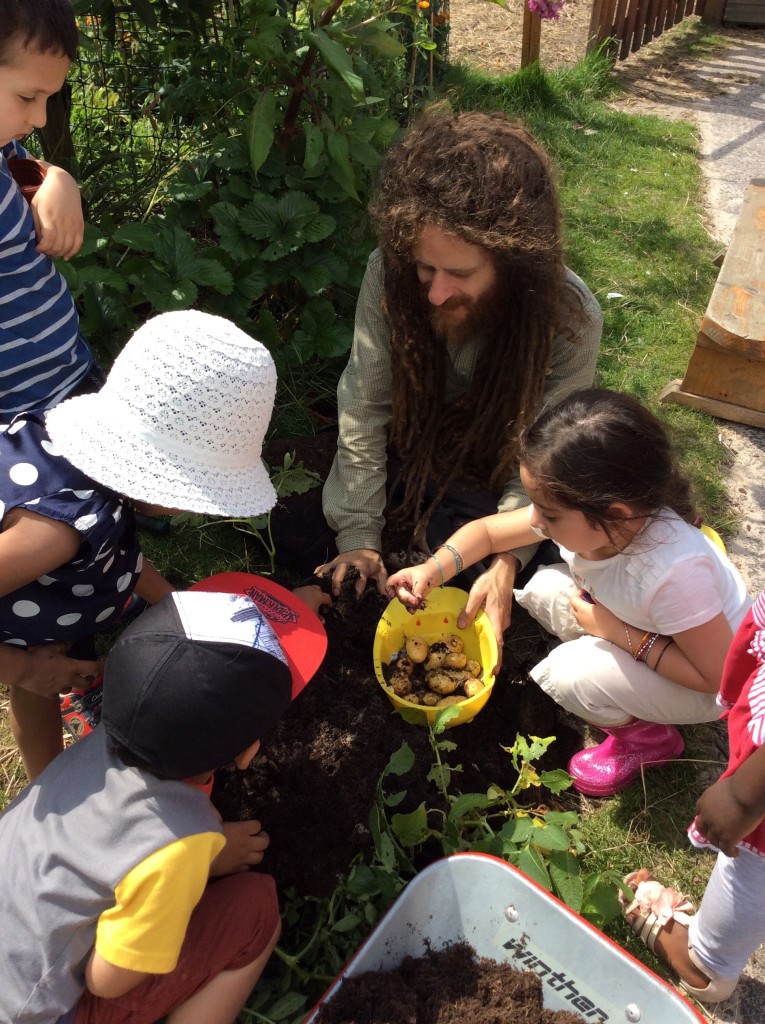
point(468, 324)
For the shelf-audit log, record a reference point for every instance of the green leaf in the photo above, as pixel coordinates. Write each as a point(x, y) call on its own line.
point(338, 60)
point(380, 38)
point(259, 129)
point(531, 863)
point(314, 145)
point(400, 762)
point(556, 781)
point(443, 717)
point(411, 829)
point(211, 273)
point(467, 802)
point(565, 872)
point(347, 923)
point(340, 165)
point(550, 837)
point(289, 1004)
point(142, 237)
point(517, 830)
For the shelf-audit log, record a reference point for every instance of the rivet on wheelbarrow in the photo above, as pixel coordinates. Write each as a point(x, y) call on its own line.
point(632, 1013)
point(511, 914)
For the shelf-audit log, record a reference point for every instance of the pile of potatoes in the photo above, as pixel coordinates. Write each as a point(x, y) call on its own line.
point(434, 675)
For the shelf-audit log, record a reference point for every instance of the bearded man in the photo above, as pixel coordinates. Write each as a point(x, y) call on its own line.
point(468, 325)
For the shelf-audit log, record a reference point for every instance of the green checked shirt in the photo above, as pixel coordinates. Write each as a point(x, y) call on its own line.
point(355, 492)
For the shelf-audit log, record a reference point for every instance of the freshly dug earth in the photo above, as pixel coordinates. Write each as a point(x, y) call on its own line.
point(313, 783)
point(449, 986)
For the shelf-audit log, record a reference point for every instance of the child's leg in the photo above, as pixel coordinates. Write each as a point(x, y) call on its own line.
point(230, 937)
point(547, 598)
point(605, 686)
point(730, 923)
point(36, 727)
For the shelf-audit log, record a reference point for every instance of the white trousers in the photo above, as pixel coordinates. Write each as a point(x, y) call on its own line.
point(594, 678)
point(730, 923)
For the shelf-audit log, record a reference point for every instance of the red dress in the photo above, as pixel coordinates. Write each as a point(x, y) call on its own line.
point(742, 696)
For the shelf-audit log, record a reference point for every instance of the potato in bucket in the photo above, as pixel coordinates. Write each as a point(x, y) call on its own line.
point(424, 662)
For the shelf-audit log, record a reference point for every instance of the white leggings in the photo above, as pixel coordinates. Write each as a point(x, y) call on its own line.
point(730, 923)
point(594, 678)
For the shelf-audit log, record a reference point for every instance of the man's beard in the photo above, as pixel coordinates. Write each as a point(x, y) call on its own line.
point(480, 315)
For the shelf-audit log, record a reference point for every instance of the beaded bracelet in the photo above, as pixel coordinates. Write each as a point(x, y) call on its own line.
point(455, 554)
point(629, 640)
point(440, 569)
point(643, 650)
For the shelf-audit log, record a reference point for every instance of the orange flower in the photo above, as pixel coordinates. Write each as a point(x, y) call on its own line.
point(423, 4)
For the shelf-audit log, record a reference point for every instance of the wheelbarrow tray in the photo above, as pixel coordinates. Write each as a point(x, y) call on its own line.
point(503, 915)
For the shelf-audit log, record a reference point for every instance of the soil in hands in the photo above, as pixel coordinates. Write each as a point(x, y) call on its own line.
point(313, 783)
point(449, 986)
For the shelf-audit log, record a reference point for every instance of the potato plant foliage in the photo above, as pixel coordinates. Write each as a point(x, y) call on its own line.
point(284, 109)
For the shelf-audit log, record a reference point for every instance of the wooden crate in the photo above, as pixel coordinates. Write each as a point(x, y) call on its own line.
point(726, 371)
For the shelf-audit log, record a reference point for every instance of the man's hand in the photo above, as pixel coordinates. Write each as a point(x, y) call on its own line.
point(493, 591)
point(57, 213)
point(245, 845)
point(369, 564)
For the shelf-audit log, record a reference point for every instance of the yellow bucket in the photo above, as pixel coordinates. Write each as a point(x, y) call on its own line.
point(432, 623)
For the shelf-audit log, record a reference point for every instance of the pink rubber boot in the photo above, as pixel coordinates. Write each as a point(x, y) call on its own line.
point(616, 762)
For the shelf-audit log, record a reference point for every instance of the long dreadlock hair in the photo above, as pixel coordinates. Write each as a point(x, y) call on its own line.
point(484, 179)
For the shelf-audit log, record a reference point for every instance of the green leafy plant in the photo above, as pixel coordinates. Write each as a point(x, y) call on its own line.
point(544, 842)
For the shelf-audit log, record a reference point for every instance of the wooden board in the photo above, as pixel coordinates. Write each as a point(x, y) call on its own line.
point(726, 371)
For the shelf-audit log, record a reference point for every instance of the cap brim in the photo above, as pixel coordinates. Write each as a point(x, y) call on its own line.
point(298, 629)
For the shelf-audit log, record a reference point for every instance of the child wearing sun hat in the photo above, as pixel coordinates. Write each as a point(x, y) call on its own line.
point(179, 425)
point(108, 915)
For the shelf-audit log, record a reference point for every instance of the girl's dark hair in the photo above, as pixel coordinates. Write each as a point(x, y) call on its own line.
point(483, 178)
point(47, 26)
point(597, 447)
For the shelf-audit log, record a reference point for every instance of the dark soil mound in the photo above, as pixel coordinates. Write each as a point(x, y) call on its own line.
point(446, 987)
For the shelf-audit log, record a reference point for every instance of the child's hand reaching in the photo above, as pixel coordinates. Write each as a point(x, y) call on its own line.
point(314, 597)
point(245, 845)
point(413, 584)
point(48, 671)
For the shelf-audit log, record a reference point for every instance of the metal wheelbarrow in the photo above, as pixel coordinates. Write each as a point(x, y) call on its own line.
point(503, 915)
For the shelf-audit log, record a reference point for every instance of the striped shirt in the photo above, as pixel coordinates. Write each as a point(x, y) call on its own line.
point(354, 495)
point(43, 356)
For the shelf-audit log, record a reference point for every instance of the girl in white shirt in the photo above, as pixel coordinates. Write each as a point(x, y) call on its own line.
point(645, 603)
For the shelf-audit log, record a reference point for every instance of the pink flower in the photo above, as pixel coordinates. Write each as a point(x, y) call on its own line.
point(546, 8)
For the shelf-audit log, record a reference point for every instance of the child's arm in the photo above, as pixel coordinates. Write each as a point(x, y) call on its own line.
point(694, 658)
point(31, 546)
point(733, 806)
point(152, 585)
point(57, 213)
point(109, 981)
point(491, 535)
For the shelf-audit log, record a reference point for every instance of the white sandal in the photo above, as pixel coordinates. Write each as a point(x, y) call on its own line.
point(654, 905)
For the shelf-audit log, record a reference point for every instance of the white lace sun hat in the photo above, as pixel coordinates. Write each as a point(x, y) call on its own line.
point(180, 420)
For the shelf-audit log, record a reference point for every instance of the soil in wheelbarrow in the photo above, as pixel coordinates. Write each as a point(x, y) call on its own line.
point(313, 783)
point(448, 986)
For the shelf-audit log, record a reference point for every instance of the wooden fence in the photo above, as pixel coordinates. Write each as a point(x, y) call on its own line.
point(633, 23)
